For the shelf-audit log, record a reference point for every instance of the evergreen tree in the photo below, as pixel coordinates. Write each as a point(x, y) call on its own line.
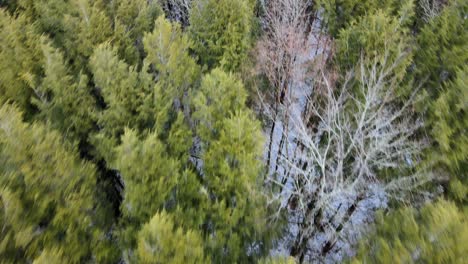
point(450, 120)
point(220, 95)
point(231, 147)
point(440, 64)
point(119, 86)
point(442, 48)
point(221, 30)
point(155, 177)
point(132, 19)
point(379, 34)
point(133, 98)
point(137, 102)
point(48, 14)
point(47, 196)
point(66, 104)
point(436, 234)
point(340, 14)
point(160, 241)
point(168, 51)
point(86, 26)
point(21, 60)
point(175, 70)
point(75, 26)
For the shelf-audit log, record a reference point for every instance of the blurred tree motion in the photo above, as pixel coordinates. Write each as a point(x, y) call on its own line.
point(48, 196)
point(227, 131)
point(435, 234)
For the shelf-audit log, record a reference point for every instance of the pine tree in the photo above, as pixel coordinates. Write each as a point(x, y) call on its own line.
point(176, 74)
point(440, 64)
point(340, 14)
point(75, 26)
point(442, 48)
point(21, 60)
point(48, 14)
point(379, 34)
point(231, 147)
point(435, 234)
point(86, 24)
point(154, 114)
point(232, 169)
point(132, 20)
point(450, 120)
point(221, 30)
point(132, 97)
point(168, 51)
point(155, 177)
point(220, 95)
point(47, 195)
point(120, 86)
point(66, 104)
point(160, 241)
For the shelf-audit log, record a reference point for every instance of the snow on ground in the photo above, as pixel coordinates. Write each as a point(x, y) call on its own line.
point(366, 208)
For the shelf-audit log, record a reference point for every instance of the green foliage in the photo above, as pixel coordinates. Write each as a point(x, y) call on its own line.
point(120, 87)
point(48, 14)
point(75, 26)
point(221, 30)
point(168, 51)
point(176, 72)
point(159, 241)
point(436, 234)
point(50, 257)
point(132, 98)
point(66, 104)
point(232, 169)
point(340, 13)
point(231, 147)
point(118, 80)
point(220, 95)
point(46, 194)
point(450, 117)
point(21, 57)
point(135, 101)
point(86, 27)
point(277, 260)
point(132, 19)
point(378, 34)
point(155, 177)
point(440, 65)
point(442, 48)
point(78, 26)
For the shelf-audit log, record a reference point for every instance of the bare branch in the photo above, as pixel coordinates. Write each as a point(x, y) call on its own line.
point(358, 130)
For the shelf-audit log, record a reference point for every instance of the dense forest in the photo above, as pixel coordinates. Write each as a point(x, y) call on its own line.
point(233, 131)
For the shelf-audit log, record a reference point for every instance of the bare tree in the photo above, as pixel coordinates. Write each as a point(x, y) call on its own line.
point(282, 55)
point(350, 135)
